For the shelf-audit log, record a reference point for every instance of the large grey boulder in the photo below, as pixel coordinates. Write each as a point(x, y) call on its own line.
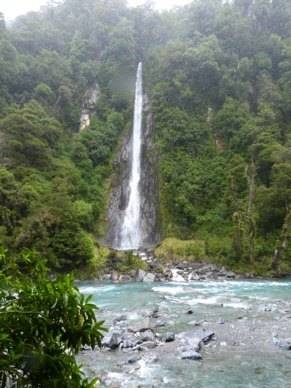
point(143, 276)
point(149, 278)
point(147, 335)
point(200, 335)
point(139, 276)
point(112, 340)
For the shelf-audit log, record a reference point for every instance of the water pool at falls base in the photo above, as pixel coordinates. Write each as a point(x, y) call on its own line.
point(248, 319)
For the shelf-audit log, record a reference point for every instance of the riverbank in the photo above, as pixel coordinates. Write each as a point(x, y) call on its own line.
point(161, 271)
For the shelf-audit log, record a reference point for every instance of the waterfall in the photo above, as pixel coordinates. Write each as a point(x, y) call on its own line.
point(133, 208)
point(130, 230)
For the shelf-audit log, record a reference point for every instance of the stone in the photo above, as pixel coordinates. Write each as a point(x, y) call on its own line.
point(168, 337)
point(147, 335)
point(149, 278)
point(112, 340)
point(230, 275)
point(132, 360)
point(139, 275)
point(122, 317)
point(284, 345)
point(193, 323)
point(149, 344)
point(194, 276)
point(127, 344)
point(201, 335)
point(160, 322)
point(190, 355)
point(150, 358)
point(114, 276)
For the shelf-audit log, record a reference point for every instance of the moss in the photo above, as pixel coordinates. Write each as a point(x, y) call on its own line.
point(174, 249)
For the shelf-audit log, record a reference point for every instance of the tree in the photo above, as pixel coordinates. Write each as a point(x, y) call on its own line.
point(43, 324)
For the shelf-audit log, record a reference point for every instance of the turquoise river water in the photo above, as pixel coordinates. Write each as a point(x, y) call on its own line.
point(245, 315)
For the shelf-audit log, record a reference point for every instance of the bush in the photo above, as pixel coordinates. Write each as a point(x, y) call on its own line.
point(174, 249)
point(43, 324)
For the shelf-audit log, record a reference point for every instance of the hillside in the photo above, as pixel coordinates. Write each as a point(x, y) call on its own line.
point(218, 76)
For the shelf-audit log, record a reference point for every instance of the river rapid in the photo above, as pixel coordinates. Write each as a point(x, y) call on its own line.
point(156, 334)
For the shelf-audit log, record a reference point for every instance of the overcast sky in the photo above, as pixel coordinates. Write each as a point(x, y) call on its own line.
point(13, 8)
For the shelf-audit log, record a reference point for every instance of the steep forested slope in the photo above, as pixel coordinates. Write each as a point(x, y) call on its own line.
point(218, 75)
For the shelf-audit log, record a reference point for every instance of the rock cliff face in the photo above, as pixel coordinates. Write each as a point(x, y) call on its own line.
point(91, 96)
point(119, 194)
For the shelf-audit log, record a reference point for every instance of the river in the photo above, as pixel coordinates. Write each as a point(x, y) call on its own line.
point(250, 319)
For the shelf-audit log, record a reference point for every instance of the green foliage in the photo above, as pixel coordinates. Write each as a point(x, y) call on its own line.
point(125, 262)
point(44, 323)
point(174, 249)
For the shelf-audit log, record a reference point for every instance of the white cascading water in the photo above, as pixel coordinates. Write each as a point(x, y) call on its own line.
point(130, 232)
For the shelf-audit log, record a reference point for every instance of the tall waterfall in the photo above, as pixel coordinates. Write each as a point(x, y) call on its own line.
point(130, 231)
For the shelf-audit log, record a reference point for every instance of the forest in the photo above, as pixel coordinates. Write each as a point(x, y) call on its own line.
point(218, 76)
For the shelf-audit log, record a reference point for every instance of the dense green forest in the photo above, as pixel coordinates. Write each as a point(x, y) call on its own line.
point(218, 74)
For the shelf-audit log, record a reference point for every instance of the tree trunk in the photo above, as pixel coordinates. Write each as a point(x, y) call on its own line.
point(251, 228)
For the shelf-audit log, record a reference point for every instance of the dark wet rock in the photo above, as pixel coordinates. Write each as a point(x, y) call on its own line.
point(132, 360)
point(189, 311)
point(142, 330)
point(168, 337)
point(155, 312)
point(86, 347)
point(190, 355)
point(112, 340)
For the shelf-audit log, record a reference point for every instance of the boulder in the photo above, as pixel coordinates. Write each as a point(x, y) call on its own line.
point(139, 275)
point(142, 276)
point(147, 335)
point(168, 337)
point(112, 340)
point(201, 335)
point(114, 276)
point(149, 278)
